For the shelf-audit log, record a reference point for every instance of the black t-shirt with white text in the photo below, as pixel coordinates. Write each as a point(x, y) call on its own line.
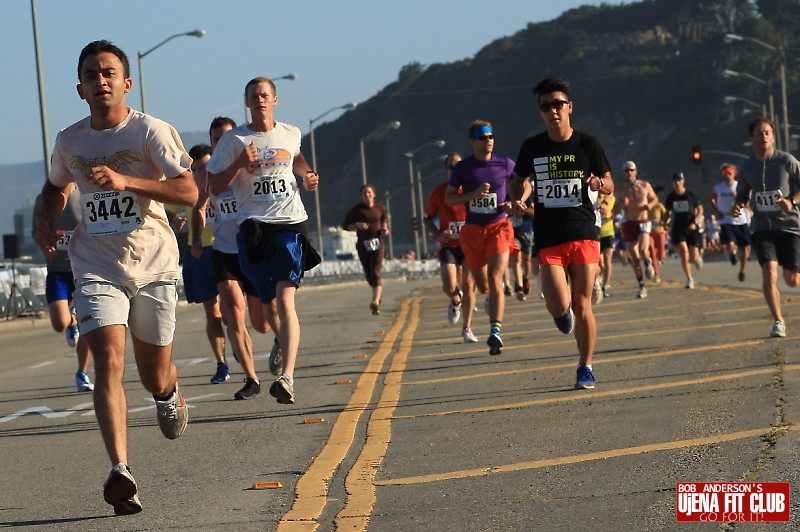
point(682, 206)
point(564, 205)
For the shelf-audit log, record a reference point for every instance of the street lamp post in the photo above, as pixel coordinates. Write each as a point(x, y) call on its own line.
point(410, 156)
point(346, 107)
point(195, 33)
point(40, 79)
point(388, 127)
point(421, 200)
point(389, 222)
point(732, 37)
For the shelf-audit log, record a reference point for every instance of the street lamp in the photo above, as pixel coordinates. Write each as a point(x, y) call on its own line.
point(410, 157)
point(732, 37)
point(195, 33)
point(388, 197)
point(346, 107)
point(388, 127)
point(728, 74)
point(727, 100)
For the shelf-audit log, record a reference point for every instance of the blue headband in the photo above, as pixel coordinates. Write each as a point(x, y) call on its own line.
point(483, 130)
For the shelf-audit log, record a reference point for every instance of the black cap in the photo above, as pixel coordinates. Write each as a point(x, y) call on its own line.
point(677, 176)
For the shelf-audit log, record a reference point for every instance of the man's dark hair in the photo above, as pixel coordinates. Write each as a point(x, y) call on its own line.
point(198, 151)
point(548, 85)
point(220, 121)
point(97, 48)
point(760, 120)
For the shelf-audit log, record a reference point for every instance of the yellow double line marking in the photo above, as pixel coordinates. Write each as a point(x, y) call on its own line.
point(312, 488)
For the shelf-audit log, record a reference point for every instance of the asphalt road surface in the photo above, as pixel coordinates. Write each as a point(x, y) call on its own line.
point(399, 425)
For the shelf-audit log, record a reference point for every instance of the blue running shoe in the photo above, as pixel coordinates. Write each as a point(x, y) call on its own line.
point(495, 344)
point(585, 379)
point(222, 374)
point(82, 382)
point(566, 323)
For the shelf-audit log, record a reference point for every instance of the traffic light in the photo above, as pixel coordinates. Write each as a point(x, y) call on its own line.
point(697, 154)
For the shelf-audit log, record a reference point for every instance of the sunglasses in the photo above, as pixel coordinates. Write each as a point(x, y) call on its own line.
point(485, 137)
point(555, 104)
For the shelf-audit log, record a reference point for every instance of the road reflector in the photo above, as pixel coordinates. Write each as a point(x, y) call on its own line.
point(266, 485)
point(314, 420)
point(344, 381)
point(359, 356)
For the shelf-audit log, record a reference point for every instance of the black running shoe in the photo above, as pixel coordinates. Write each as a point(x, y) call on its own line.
point(119, 491)
point(251, 389)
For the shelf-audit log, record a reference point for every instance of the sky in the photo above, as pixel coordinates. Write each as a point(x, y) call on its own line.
point(342, 51)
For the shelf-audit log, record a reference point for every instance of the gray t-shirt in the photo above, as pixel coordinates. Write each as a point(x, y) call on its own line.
point(762, 183)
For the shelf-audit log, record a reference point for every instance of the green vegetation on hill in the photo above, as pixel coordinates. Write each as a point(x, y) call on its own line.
point(647, 81)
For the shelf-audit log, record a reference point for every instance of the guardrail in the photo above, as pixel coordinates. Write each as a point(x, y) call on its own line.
point(27, 294)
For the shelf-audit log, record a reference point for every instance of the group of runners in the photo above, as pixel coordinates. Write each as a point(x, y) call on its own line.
point(243, 189)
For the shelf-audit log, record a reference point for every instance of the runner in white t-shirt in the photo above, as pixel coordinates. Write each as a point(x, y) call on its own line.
point(124, 255)
point(259, 160)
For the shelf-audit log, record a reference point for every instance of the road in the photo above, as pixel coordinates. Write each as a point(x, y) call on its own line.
point(420, 431)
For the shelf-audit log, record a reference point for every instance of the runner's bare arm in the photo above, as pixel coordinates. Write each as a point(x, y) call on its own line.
point(51, 204)
point(220, 182)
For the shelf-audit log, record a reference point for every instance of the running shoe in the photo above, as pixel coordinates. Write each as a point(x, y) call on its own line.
point(453, 313)
point(276, 359)
point(778, 329)
point(566, 323)
point(222, 374)
point(251, 389)
point(585, 378)
point(699, 263)
point(119, 490)
point(656, 278)
point(741, 277)
point(642, 294)
point(649, 270)
point(520, 293)
point(173, 415)
point(72, 334)
point(82, 382)
point(506, 289)
point(541, 295)
point(689, 283)
point(597, 292)
point(526, 285)
point(283, 390)
point(606, 292)
point(495, 344)
point(468, 335)
point(375, 307)
point(732, 257)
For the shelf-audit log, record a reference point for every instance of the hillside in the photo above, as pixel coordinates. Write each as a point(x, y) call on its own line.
point(646, 81)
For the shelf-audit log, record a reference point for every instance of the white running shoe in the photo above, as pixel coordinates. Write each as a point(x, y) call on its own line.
point(642, 292)
point(689, 283)
point(778, 329)
point(597, 292)
point(453, 313)
point(468, 336)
